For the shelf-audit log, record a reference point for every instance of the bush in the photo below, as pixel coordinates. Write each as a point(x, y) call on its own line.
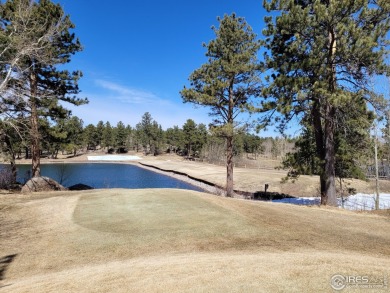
point(6, 178)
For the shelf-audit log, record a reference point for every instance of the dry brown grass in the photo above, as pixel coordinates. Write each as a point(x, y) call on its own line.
point(169, 240)
point(253, 180)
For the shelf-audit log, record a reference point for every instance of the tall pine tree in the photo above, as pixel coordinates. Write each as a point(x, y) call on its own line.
point(229, 81)
point(37, 79)
point(322, 54)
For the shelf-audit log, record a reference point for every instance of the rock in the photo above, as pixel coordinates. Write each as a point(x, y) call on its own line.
point(42, 184)
point(80, 186)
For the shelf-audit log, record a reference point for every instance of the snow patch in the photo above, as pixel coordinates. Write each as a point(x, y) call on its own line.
point(356, 202)
point(113, 158)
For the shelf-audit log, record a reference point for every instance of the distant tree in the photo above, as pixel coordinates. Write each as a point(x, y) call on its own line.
point(107, 139)
point(36, 83)
point(120, 139)
point(54, 136)
point(174, 138)
point(74, 137)
point(99, 132)
point(138, 137)
point(253, 144)
point(157, 138)
point(150, 134)
point(214, 150)
point(322, 55)
point(201, 139)
point(190, 135)
point(91, 139)
point(228, 81)
point(129, 136)
point(145, 129)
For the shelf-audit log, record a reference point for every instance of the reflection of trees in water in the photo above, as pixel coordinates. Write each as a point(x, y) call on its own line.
point(63, 172)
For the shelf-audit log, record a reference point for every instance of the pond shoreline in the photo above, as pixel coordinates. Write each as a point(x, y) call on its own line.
point(248, 182)
point(206, 186)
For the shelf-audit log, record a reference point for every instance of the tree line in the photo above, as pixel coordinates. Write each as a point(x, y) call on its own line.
point(319, 60)
point(70, 137)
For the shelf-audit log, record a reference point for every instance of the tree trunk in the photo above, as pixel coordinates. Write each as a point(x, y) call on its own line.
point(229, 166)
point(26, 153)
point(329, 197)
point(319, 138)
point(229, 144)
point(11, 153)
point(35, 148)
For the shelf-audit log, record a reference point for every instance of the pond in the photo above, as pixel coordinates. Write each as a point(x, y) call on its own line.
point(105, 175)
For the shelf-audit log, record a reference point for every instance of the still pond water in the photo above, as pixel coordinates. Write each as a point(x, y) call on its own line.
point(105, 175)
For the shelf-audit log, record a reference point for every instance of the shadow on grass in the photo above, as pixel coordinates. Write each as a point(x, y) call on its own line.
point(5, 262)
point(263, 195)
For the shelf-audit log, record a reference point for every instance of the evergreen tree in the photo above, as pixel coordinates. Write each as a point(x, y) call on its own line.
point(107, 139)
point(91, 137)
point(150, 134)
point(146, 131)
point(190, 135)
point(138, 137)
point(54, 136)
point(74, 134)
point(156, 138)
point(228, 81)
point(120, 138)
point(99, 132)
point(322, 54)
point(253, 144)
point(201, 137)
point(174, 138)
point(129, 137)
point(10, 144)
point(37, 79)
point(352, 146)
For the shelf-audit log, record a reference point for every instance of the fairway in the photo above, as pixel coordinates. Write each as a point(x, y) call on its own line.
point(169, 240)
point(173, 213)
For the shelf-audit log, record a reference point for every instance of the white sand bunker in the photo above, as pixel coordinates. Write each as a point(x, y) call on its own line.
point(113, 158)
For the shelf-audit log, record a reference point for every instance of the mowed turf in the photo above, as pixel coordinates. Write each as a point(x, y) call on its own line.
point(168, 240)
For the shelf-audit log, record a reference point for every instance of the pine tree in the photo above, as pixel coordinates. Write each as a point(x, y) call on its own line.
point(120, 138)
point(190, 135)
point(74, 136)
point(90, 137)
point(36, 73)
point(228, 81)
point(322, 54)
point(174, 138)
point(99, 133)
point(107, 138)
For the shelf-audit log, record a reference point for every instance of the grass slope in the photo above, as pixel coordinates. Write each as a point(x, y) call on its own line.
point(167, 240)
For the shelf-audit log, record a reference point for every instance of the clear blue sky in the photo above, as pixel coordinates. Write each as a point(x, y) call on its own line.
point(138, 55)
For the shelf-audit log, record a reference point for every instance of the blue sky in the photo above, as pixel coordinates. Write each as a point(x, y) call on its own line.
point(138, 55)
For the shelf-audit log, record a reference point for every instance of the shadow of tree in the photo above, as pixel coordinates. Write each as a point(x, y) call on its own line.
point(5, 262)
